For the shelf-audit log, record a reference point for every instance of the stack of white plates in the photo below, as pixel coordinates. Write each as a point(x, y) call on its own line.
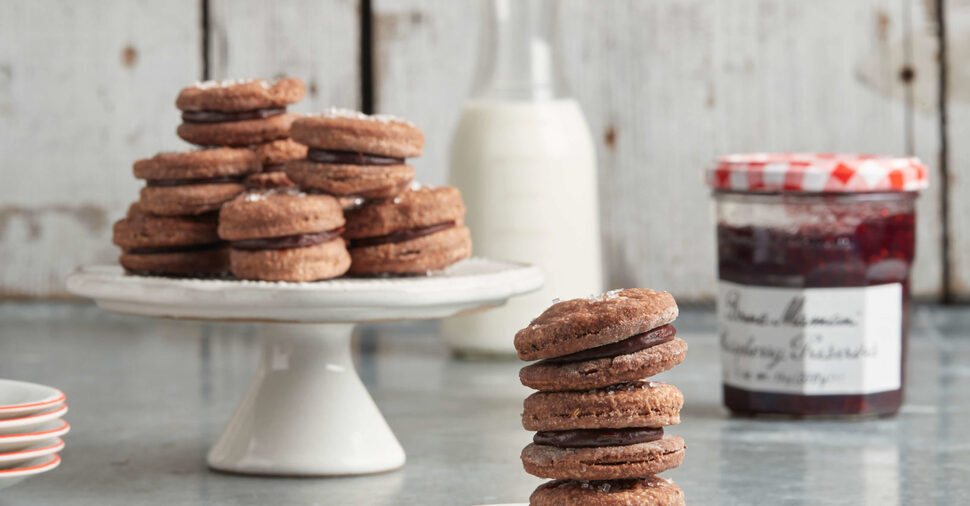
point(30, 430)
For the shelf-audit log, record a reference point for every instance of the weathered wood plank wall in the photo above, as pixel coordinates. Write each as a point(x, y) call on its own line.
point(317, 41)
point(957, 21)
point(666, 86)
point(85, 89)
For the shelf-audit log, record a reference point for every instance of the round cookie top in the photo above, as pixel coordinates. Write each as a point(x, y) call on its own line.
point(579, 324)
point(240, 95)
point(199, 164)
point(652, 490)
point(280, 151)
point(346, 130)
point(413, 208)
point(139, 229)
point(633, 404)
point(278, 213)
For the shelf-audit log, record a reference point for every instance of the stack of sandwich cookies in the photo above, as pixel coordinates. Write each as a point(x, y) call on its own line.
point(288, 227)
point(355, 155)
point(599, 425)
point(193, 182)
point(245, 112)
point(171, 245)
point(420, 230)
point(284, 235)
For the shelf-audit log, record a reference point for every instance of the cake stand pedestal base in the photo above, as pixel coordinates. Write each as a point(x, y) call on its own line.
point(306, 413)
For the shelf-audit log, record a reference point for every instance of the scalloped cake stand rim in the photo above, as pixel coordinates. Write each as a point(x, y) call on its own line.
point(465, 286)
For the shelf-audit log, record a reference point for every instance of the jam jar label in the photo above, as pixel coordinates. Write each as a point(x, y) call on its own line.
point(811, 341)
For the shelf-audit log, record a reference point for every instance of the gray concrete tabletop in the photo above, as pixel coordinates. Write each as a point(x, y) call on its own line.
point(147, 397)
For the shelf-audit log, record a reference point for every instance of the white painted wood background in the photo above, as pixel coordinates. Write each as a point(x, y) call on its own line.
point(85, 89)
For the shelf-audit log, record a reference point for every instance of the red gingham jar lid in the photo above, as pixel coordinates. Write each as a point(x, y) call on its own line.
point(817, 173)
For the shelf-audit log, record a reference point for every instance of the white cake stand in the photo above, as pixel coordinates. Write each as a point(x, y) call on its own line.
point(307, 412)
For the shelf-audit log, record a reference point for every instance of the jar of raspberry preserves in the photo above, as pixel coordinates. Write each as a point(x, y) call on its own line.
point(814, 255)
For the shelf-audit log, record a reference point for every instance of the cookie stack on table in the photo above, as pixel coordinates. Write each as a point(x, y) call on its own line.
point(354, 163)
point(599, 424)
point(172, 228)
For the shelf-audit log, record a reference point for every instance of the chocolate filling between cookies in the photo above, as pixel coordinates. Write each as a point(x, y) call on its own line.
point(404, 235)
point(186, 181)
point(226, 117)
point(336, 157)
point(638, 342)
point(173, 249)
point(595, 438)
point(287, 241)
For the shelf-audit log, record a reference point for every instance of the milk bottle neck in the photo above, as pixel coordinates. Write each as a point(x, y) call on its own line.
point(517, 57)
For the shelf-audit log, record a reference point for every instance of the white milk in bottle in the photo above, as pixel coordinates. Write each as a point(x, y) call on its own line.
point(524, 160)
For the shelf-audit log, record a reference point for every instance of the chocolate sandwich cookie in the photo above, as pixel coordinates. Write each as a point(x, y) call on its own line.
point(420, 230)
point(576, 325)
point(354, 154)
point(364, 181)
point(650, 490)
point(237, 132)
point(343, 133)
point(597, 462)
point(170, 245)
point(284, 235)
point(635, 404)
point(193, 182)
point(637, 357)
point(237, 112)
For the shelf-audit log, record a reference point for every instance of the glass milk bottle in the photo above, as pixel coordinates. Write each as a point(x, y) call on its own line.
point(524, 160)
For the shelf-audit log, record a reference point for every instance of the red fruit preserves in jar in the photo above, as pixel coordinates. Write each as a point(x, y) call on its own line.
point(814, 255)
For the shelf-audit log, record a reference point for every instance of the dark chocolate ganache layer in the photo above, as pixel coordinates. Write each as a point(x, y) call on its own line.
point(174, 249)
point(287, 241)
point(224, 117)
point(184, 182)
point(590, 438)
point(349, 157)
point(400, 235)
point(629, 345)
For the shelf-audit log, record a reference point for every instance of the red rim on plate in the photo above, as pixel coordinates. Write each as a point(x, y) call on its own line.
point(53, 462)
point(59, 411)
point(39, 404)
point(59, 443)
point(64, 426)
